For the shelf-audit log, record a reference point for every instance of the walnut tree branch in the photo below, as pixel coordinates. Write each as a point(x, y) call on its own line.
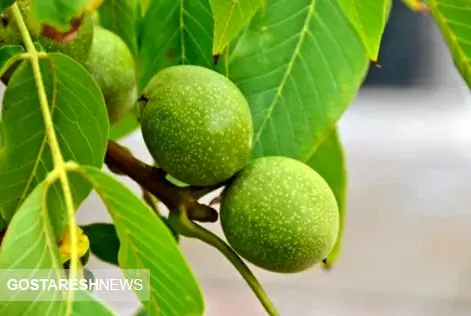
point(153, 180)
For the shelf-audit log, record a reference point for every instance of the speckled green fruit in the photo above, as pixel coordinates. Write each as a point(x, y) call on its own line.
point(196, 124)
point(78, 48)
point(112, 66)
point(280, 214)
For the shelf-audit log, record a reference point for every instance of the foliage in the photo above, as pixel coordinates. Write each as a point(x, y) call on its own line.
point(299, 64)
point(453, 19)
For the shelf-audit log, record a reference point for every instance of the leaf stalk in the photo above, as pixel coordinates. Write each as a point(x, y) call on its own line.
point(154, 181)
point(58, 160)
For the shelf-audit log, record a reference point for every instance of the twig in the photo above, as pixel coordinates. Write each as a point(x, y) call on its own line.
point(151, 201)
point(153, 180)
point(180, 222)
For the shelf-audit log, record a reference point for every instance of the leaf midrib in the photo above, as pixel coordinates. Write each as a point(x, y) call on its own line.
point(182, 30)
point(278, 94)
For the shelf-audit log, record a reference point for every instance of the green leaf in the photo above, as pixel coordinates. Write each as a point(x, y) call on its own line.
point(329, 161)
point(9, 54)
point(5, 4)
point(144, 5)
point(146, 243)
point(1, 135)
point(174, 32)
point(80, 121)
point(120, 18)
point(453, 17)
point(57, 13)
point(104, 242)
point(86, 304)
point(230, 16)
point(299, 64)
point(29, 243)
point(8, 51)
point(141, 312)
point(369, 18)
point(128, 124)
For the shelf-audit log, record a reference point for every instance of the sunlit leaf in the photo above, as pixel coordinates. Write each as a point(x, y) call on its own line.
point(144, 5)
point(369, 18)
point(80, 121)
point(453, 17)
point(93, 5)
point(299, 64)
point(230, 16)
point(146, 243)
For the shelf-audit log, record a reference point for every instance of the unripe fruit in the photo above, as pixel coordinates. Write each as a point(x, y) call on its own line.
point(112, 66)
point(280, 214)
point(196, 124)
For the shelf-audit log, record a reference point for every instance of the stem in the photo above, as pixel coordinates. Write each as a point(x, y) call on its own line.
point(57, 158)
point(150, 200)
point(153, 181)
point(185, 227)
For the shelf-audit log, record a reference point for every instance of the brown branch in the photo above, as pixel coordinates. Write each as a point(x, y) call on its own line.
point(152, 179)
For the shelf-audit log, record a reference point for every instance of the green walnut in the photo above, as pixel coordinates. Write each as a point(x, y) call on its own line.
point(112, 66)
point(77, 48)
point(196, 124)
point(280, 214)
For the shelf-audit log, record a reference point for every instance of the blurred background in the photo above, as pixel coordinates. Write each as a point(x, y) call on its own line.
point(406, 251)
